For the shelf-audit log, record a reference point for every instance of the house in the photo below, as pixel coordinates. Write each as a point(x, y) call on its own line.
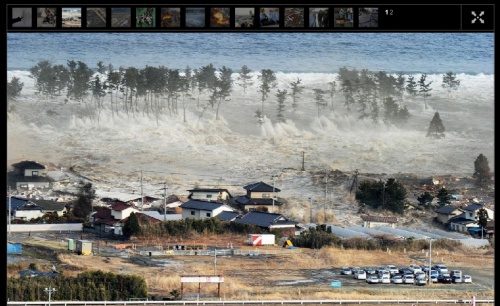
point(228, 215)
point(472, 211)
point(375, 221)
point(129, 198)
point(468, 220)
point(109, 219)
point(28, 175)
point(461, 223)
point(209, 194)
point(259, 195)
point(201, 210)
point(269, 221)
point(446, 212)
point(50, 206)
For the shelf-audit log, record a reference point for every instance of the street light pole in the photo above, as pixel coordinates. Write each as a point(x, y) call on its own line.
point(273, 191)
point(164, 201)
point(49, 291)
point(430, 260)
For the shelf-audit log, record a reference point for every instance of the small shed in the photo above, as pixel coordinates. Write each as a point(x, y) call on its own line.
point(84, 247)
point(71, 244)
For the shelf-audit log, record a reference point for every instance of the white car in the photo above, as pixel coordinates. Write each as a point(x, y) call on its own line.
point(466, 279)
point(415, 268)
point(397, 279)
point(360, 274)
point(392, 269)
point(384, 280)
point(372, 279)
point(345, 271)
point(408, 279)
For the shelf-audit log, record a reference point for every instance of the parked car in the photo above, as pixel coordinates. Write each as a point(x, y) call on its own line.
point(384, 273)
point(414, 268)
point(425, 268)
point(385, 279)
point(456, 279)
point(370, 271)
point(441, 268)
point(456, 273)
point(372, 279)
point(444, 278)
point(404, 271)
point(397, 279)
point(345, 271)
point(434, 278)
point(466, 279)
point(392, 269)
point(434, 273)
point(360, 274)
point(408, 279)
point(420, 281)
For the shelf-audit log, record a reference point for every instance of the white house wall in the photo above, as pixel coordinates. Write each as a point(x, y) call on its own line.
point(27, 214)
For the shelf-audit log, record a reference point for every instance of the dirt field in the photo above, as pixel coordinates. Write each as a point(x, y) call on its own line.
point(289, 274)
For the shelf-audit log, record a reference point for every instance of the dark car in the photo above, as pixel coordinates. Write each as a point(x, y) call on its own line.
point(404, 271)
point(370, 271)
point(444, 278)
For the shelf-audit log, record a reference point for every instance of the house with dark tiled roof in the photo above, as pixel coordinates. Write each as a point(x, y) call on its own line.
point(209, 194)
point(51, 206)
point(374, 221)
point(228, 215)
point(269, 221)
point(260, 195)
point(28, 175)
point(23, 209)
point(471, 211)
point(446, 212)
point(461, 223)
point(201, 209)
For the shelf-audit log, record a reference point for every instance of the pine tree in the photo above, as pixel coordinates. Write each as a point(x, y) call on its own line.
point(268, 81)
point(132, 226)
point(444, 197)
point(424, 88)
point(296, 89)
point(319, 99)
point(411, 86)
point(482, 171)
point(281, 96)
point(14, 88)
point(245, 78)
point(436, 127)
point(450, 82)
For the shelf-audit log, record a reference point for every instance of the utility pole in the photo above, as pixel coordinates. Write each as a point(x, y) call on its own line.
point(311, 210)
point(303, 169)
point(10, 209)
point(326, 191)
point(142, 196)
point(164, 201)
point(273, 191)
point(215, 261)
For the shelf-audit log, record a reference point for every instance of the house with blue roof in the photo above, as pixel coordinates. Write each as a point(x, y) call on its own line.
point(260, 196)
point(467, 222)
point(202, 209)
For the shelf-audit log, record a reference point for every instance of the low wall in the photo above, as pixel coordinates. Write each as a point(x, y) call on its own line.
point(61, 227)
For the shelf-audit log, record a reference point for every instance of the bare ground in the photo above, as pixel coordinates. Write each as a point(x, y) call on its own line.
point(291, 274)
